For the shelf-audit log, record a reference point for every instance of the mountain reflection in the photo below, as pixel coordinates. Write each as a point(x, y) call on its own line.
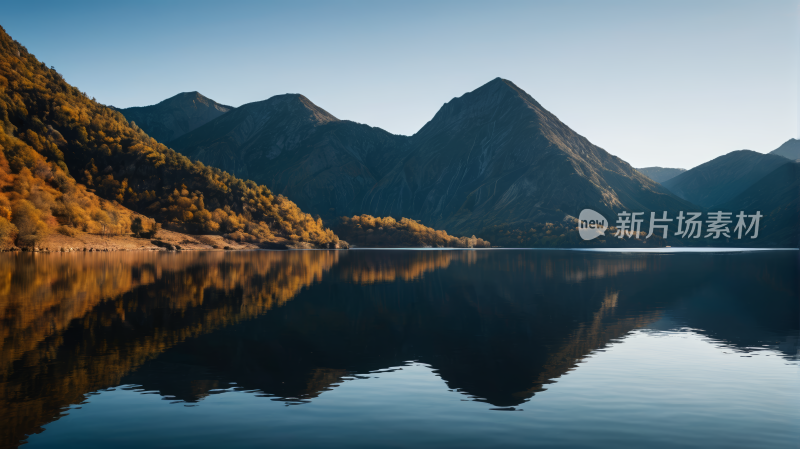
point(496, 325)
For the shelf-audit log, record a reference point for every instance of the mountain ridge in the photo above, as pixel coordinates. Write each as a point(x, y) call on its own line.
point(790, 150)
point(463, 190)
point(171, 118)
point(445, 174)
point(723, 178)
point(661, 174)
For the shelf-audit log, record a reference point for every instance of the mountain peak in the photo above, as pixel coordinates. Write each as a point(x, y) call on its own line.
point(790, 149)
point(193, 97)
point(259, 130)
point(497, 86)
point(488, 102)
point(175, 116)
point(505, 87)
point(293, 104)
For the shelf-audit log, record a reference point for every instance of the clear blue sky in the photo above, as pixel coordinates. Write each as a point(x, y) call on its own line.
point(656, 83)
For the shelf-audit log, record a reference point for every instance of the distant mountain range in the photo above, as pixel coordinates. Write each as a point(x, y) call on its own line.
point(752, 182)
point(777, 197)
point(175, 116)
point(790, 150)
point(660, 174)
point(722, 179)
point(492, 156)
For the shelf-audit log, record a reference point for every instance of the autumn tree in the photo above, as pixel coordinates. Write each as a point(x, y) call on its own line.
point(136, 226)
point(27, 220)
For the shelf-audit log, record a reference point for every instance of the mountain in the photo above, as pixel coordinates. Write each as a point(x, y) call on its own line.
point(491, 156)
point(790, 149)
point(660, 174)
point(495, 156)
point(777, 197)
point(175, 116)
point(722, 179)
point(61, 153)
point(287, 141)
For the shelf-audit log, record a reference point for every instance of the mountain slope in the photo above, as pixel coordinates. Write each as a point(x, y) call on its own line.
point(790, 150)
point(53, 132)
point(322, 162)
point(489, 157)
point(496, 156)
point(660, 174)
point(722, 179)
point(254, 131)
point(175, 116)
point(777, 197)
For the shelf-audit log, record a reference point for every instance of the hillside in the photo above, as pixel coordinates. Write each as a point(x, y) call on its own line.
point(660, 174)
point(66, 160)
point(490, 157)
point(175, 116)
point(387, 232)
point(325, 164)
point(790, 150)
point(777, 197)
point(722, 179)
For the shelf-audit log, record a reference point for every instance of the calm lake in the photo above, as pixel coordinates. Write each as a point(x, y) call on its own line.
point(400, 348)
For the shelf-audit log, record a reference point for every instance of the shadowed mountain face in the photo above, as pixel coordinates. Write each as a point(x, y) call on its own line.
point(311, 155)
point(722, 179)
point(777, 197)
point(790, 150)
point(660, 174)
point(491, 156)
point(260, 130)
point(496, 156)
point(497, 326)
point(176, 116)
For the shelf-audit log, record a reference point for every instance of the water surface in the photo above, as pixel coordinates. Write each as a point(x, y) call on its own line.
point(399, 348)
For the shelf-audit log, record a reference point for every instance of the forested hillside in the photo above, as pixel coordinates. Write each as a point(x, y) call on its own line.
point(69, 161)
point(366, 230)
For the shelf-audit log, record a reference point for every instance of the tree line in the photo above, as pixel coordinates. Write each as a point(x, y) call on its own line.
point(366, 230)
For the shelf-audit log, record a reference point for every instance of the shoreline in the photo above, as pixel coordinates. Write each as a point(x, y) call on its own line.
point(166, 240)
